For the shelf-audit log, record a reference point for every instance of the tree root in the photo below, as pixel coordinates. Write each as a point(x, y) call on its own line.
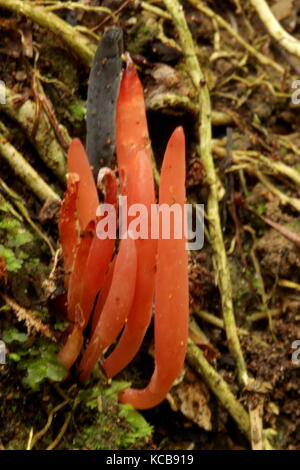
point(25, 171)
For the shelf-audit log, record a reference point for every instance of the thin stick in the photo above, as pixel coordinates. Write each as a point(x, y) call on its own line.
point(79, 6)
point(257, 437)
point(215, 230)
point(155, 10)
point(288, 284)
point(61, 432)
point(25, 171)
point(284, 199)
point(219, 323)
point(261, 315)
point(43, 431)
point(274, 28)
point(257, 158)
point(219, 387)
point(184, 103)
point(28, 447)
point(44, 139)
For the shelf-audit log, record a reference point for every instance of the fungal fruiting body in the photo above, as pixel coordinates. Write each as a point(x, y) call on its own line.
point(115, 309)
point(118, 289)
point(137, 184)
point(77, 222)
point(171, 287)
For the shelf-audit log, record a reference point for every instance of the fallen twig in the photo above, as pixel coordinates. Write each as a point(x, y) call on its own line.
point(25, 171)
point(256, 414)
point(286, 40)
point(288, 284)
point(219, 387)
point(52, 6)
point(261, 315)
point(284, 199)
point(36, 437)
point(61, 432)
point(219, 323)
point(44, 139)
point(163, 101)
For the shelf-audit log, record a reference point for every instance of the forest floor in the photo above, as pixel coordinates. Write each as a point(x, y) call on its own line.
point(256, 151)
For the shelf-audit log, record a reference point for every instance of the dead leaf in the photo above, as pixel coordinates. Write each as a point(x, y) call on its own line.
point(191, 397)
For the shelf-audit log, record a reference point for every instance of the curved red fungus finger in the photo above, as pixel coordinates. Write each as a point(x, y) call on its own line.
point(76, 279)
point(139, 187)
point(171, 287)
point(137, 183)
point(87, 200)
point(116, 308)
point(76, 315)
point(67, 224)
point(131, 122)
point(71, 350)
point(104, 293)
point(100, 253)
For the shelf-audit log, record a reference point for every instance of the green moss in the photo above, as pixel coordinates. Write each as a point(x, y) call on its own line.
point(110, 425)
point(45, 365)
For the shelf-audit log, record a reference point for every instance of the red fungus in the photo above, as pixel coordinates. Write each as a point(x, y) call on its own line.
point(87, 200)
point(116, 308)
point(104, 293)
point(86, 256)
point(99, 255)
point(126, 285)
point(76, 278)
point(171, 287)
point(137, 183)
point(71, 350)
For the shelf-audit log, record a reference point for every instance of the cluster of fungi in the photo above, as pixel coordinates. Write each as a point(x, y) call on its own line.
point(113, 288)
